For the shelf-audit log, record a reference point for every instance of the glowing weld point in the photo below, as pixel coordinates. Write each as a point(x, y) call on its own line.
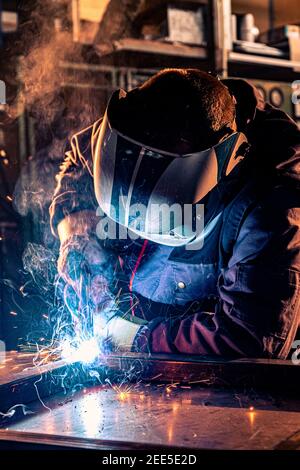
point(86, 351)
point(123, 396)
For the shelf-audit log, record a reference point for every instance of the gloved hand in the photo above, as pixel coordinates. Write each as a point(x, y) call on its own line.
point(86, 268)
point(118, 333)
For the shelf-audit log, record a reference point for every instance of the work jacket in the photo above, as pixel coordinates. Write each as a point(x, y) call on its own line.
point(239, 295)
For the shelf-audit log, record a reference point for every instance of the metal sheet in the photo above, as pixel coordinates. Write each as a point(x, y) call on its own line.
point(23, 377)
point(182, 413)
point(159, 415)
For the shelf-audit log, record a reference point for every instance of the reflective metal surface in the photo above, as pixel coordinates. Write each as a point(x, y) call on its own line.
point(163, 415)
point(136, 415)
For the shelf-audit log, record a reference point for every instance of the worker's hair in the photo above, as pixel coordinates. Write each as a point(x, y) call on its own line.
point(177, 105)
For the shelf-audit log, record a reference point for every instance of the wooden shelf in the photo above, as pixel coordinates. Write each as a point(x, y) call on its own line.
point(159, 47)
point(263, 60)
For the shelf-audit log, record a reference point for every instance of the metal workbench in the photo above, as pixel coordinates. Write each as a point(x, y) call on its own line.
point(199, 404)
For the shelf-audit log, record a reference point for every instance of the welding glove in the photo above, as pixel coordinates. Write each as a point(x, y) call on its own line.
point(119, 332)
point(86, 267)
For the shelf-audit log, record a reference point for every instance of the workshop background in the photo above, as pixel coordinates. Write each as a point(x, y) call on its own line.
point(61, 59)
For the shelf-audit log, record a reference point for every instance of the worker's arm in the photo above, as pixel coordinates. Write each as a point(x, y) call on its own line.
point(74, 192)
point(74, 220)
point(79, 223)
point(258, 311)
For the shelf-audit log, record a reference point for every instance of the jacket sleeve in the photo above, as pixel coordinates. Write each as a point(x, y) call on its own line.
point(258, 310)
point(75, 189)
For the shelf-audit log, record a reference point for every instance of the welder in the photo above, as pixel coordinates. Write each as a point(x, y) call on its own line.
point(223, 280)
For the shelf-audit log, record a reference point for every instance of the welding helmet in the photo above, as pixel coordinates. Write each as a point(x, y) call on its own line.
point(154, 194)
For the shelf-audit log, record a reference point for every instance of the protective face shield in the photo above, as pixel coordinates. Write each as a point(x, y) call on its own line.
point(153, 193)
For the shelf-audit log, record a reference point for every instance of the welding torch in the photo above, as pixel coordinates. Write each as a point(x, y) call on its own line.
point(85, 310)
